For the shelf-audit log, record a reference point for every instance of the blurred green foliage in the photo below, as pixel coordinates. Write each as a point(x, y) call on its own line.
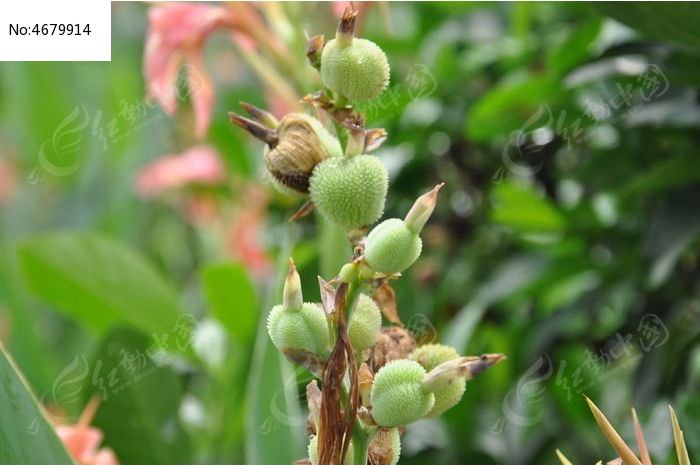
point(567, 233)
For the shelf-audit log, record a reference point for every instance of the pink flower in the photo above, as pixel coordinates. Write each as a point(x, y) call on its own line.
point(176, 34)
point(199, 165)
point(8, 180)
point(82, 440)
point(246, 230)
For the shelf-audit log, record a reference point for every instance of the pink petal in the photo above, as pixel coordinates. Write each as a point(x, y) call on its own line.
point(201, 165)
point(104, 456)
point(201, 90)
point(80, 441)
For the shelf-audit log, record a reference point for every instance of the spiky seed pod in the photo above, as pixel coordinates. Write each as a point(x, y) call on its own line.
point(446, 397)
point(385, 448)
point(303, 142)
point(365, 322)
point(350, 191)
point(313, 452)
point(391, 247)
point(357, 71)
point(398, 397)
point(296, 325)
point(394, 244)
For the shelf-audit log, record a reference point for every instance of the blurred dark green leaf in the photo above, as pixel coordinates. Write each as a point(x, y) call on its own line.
point(674, 21)
point(138, 412)
point(232, 300)
point(522, 209)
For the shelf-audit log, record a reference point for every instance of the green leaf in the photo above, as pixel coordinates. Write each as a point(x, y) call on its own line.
point(232, 299)
point(673, 21)
point(274, 425)
point(25, 434)
point(522, 209)
point(138, 412)
point(510, 105)
point(98, 281)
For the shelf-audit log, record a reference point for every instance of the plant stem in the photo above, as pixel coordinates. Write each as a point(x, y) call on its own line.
point(360, 443)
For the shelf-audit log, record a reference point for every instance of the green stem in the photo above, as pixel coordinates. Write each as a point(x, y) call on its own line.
point(361, 439)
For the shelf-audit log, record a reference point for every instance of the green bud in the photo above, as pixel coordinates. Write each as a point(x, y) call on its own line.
point(297, 325)
point(365, 323)
point(430, 356)
point(393, 245)
point(398, 397)
point(350, 191)
point(355, 68)
point(313, 452)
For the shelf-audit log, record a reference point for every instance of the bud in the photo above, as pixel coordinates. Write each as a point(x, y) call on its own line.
point(295, 146)
point(355, 68)
point(313, 452)
point(296, 325)
point(365, 323)
point(398, 397)
point(350, 191)
point(430, 356)
point(394, 244)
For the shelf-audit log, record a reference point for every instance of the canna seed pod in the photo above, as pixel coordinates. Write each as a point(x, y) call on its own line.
point(449, 395)
point(303, 142)
point(365, 323)
point(398, 397)
point(350, 191)
point(394, 244)
point(313, 452)
point(355, 68)
point(296, 325)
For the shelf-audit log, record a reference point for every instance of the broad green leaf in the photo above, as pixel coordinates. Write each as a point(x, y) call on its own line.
point(674, 21)
point(232, 300)
point(98, 281)
point(522, 209)
point(25, 434)
point(138, 412)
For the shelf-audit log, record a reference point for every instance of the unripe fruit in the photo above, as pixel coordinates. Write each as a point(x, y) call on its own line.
point(398, 397)
point(357, 71)
point(365, 323)
point(301, 329)
point(391, 246)
point(303, 142)
point(350, 191)
point(313, 452)
point(296, 325)
point(446, 397)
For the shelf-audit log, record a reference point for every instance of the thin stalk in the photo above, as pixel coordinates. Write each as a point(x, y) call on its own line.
point(361, 439)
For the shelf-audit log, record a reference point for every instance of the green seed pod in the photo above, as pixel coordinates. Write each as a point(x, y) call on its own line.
point(398, 397)
point(449, 395)
point(297, 325)
point(393, 245)
point(350, 191)
point(303, 142)
point(358, 70)
point(365, 323)
point(313, 452)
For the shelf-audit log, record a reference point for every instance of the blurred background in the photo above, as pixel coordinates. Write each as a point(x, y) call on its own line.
point(567, 236)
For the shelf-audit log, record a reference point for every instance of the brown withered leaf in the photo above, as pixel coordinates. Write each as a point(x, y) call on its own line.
point(380, 451)
point(374, 138)
point(312, 362)
point(318, 99)
point(385, 297)
point(327, 296)
point(314, 47)
point(313, 401)
point(303, 211)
